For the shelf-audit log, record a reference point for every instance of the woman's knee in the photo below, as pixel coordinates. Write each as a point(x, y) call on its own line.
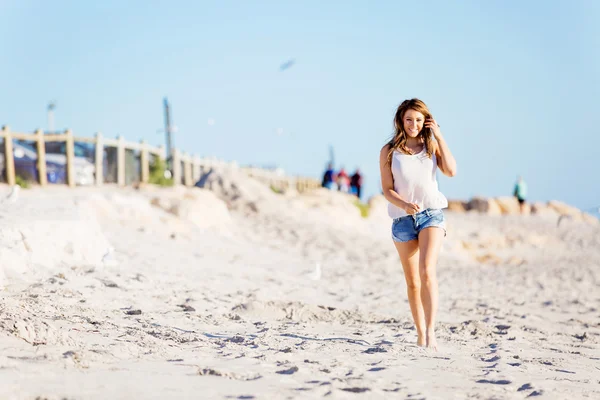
point(413, 283)
point(427, 273)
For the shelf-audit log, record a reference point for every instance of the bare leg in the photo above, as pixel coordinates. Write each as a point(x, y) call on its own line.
point(430, 242)
point(409, 257)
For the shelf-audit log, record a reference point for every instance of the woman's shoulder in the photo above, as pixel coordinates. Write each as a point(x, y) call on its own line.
point(385, 150)
point(384, 154)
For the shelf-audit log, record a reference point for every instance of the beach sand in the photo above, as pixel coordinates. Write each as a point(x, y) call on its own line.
point(235, 292)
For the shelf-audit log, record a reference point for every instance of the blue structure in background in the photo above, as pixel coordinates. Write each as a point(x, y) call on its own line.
point(25, 158)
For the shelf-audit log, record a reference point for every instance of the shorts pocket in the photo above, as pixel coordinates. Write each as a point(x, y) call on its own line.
point(436, 219)
point(435, 212)
point(403, 230)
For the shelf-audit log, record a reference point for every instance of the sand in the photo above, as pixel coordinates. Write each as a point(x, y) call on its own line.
point(234, 292)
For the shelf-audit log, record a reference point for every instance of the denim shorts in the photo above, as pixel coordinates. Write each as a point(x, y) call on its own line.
point(407, 228)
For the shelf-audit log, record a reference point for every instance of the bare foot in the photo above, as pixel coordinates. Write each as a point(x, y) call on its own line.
point(431, 342)
point(421, 341)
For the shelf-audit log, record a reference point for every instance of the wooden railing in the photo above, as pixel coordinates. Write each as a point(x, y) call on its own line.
point(281, 182)
point(187, 169)
point(100, 143)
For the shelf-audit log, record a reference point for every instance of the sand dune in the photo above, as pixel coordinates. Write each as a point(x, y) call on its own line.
point(233, 291)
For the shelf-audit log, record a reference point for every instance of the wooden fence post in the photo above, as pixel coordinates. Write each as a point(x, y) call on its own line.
point(121, 161)
point(145, 166)
point(176, 167)
point(70, 147)
point(196, 169)
point(41, 157)
point(99, 159)
point(187, 171)
point(161, 156)
point(9, 159)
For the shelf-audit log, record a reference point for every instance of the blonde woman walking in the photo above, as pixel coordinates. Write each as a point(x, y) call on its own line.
point(408, 164)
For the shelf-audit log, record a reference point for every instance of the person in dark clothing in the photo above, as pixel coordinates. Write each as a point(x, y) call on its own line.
point(328, 177)
point(356, 182)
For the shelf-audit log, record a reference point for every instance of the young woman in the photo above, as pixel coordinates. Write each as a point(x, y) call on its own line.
point(408, 164)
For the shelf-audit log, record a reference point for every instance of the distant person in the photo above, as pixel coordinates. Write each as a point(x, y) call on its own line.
point(356, 183)
point(328, 177)
point(343, 181)
point(408, 164)
point(520, 193)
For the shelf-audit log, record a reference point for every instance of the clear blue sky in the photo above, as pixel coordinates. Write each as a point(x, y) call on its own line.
point(514, 85)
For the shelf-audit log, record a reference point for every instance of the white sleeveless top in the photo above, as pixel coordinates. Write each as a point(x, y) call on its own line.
point(415, 182)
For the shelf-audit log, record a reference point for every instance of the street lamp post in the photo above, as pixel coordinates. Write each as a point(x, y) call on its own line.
point(51, 107)
point(169, 133)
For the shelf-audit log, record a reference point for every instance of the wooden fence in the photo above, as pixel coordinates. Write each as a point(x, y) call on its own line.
point(187, 169)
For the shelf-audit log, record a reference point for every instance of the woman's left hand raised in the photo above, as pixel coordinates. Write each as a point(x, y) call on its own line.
point(432, 124)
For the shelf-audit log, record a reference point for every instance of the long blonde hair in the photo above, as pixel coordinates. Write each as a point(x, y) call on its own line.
point(398, 140)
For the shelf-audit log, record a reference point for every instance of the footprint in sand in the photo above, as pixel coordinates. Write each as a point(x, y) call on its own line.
point(526, 386)
point(494, 361)
point(228, 375)
point(495, 381)
point(375, 350)
point(288, 371)
point(490, 360)
point(320, 383)
point(355, 389)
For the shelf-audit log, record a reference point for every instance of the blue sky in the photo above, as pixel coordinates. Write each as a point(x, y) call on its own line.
point(514, 85)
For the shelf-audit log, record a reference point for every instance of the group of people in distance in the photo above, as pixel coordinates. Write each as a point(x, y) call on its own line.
point(341, 181)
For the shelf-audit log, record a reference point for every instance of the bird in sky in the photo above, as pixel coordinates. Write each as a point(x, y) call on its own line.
point(288, 64)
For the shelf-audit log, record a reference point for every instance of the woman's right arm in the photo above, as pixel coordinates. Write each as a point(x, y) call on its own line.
point(387, 184)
